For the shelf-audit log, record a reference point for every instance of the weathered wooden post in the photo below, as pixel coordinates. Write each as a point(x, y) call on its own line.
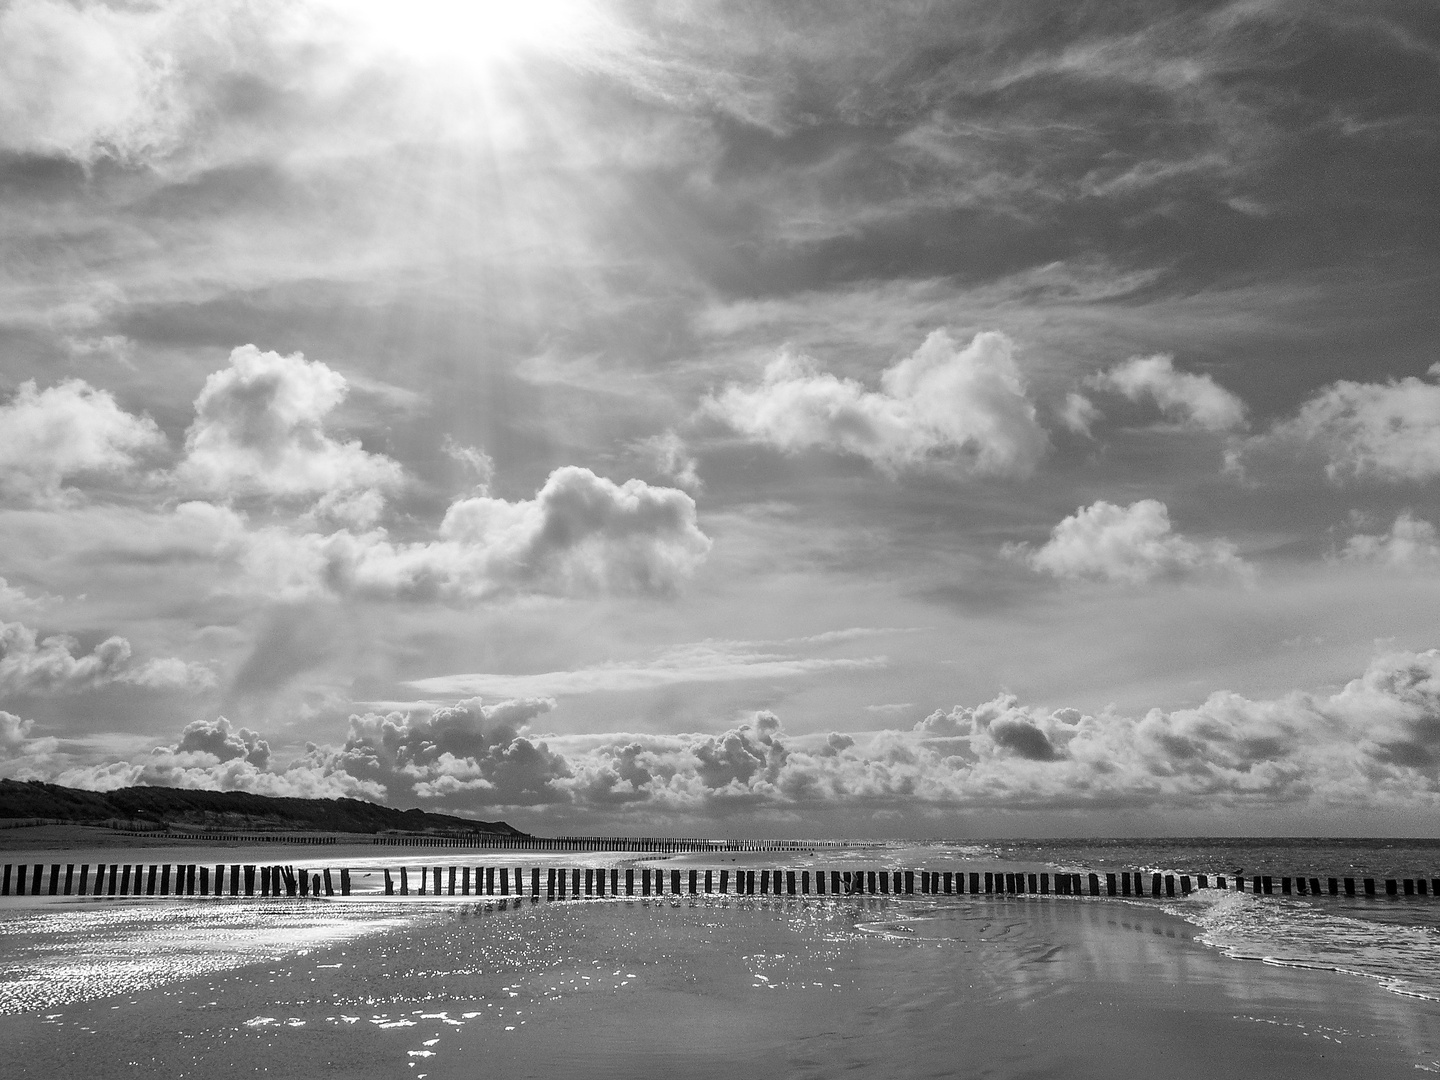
point(329, 883)
point(709, 881)
point(1390, 889)
point(909, 882)
point(835, 882)
point(724, 882)
point(989, 881)
point(83, 888)
point(249, 880)
point(234, 879)
point(1155, 882)
point(1110, 885)
point(1349, 886)
point(1094, 884)
point(1284, 886)
point(1420, 884)
point(204, 881)
point(344, 882)
point(675, 882)
point(5, 884)
point(1220, 881)
point(1369, 886)
point(1202, 882)
point(1409, 884)
point(404, 882)
point(452, 881)
point(534, 883)
point(389, 883)
point(69, 877)
point(124, 881)
point(974, 882)
point(1315, 886)
point(1184, 884)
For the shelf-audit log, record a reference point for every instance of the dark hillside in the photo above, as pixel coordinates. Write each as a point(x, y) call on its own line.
point(185, 808)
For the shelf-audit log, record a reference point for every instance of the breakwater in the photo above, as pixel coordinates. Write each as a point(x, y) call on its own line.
point(564, 882)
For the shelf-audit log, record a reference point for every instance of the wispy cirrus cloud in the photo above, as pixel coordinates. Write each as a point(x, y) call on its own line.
point(700, 662)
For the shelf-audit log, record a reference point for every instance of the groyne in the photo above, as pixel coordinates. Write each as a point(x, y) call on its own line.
point(558, 882)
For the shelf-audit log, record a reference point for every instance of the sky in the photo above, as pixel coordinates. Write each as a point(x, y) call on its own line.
point(838, 420)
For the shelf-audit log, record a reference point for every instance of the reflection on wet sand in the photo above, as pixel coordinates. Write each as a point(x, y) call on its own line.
point(983, 986)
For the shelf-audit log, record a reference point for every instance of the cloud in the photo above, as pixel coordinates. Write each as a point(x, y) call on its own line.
point(1133, 544)
point(51, 436)
point(54, 664)
point(1078, 413)
point(480, 464)
point(1195, 401)
point(16, 601)
point(1376, 742)
point(1386, 431)
point(581, 534)
point(667, 454)
point(260, 429)
point(1410, 542)
point(941, 404)
point(705, 661)
point(84, 81)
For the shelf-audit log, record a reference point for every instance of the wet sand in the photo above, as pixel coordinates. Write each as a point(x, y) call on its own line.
point(988, 987)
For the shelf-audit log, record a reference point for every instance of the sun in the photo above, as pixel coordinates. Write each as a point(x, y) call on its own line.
point(472, 32)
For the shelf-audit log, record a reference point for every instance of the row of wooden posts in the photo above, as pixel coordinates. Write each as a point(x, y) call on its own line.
point(180, 879)
point(126, 879)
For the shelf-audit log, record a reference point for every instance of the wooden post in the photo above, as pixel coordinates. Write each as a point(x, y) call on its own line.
point(1110, 885)
point(709, 881)
point(1155, 882)
point(575, 881)
point(344, 882)
point(1220, 881)
point(1284, 886)
point(452, 881)
point(1315, 886)
point(1369, 886)
point(1169, 884)
point(695, 882)
point(600, 882)
point(1184, 884)
point(629, 882)
point(249, 880)
point(1349, 886)
point(989, 881)
point(150, 881)
point(1409, 886)
point(835, 882)
point(1094, 884)
point(389, 883)
point(1420, 884)
point(329, 883)
point(404, 882)
point(1269, 884)
point(1390, 889)
point(975, 883)
point(234, 879)
point(5, 886)
point(1202, 882)
point(69, 877)
point(789, 882)
point(724, 882)
point(124, 881)
point(909, 882)
point(82, 890)
point(675, 882)
point(750, 882)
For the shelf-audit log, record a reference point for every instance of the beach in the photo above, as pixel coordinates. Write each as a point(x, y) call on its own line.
point(995, 986)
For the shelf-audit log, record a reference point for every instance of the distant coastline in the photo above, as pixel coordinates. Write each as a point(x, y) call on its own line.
point(48, 813)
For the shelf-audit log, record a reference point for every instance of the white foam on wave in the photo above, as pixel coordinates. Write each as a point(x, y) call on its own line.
point(1288, 932)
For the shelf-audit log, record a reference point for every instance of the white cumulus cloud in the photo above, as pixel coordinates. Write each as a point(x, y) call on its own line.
point(1409, 542)
point(260, 429)
point(1386, 431)
point(942, 403)
point(50, 436)
point(1134, 544)
point(1196, 401)
point(30, 664)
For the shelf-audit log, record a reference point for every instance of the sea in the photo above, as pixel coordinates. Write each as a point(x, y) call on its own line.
point(419, 986)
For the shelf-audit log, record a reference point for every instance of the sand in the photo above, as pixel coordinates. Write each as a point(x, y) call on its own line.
point(992, 987)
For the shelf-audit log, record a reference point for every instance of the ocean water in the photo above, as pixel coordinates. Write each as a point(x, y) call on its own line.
point(441, 986)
